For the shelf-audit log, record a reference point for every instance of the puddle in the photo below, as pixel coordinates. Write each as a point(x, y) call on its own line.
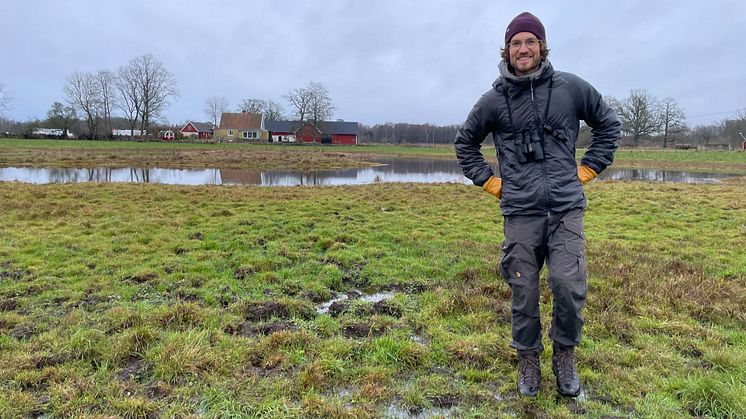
point(419, 339)
point(377, 297)
point(394, 411)
point(324, 308)
point(354, 295)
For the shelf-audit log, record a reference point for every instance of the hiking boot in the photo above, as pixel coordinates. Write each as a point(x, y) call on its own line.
point(563, 366)
point(529, 373)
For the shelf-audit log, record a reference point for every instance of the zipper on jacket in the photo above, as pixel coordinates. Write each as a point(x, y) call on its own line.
point(543, 162)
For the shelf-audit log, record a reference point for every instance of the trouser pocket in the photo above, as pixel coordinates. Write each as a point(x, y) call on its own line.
point(572, 257)
point(515, 263)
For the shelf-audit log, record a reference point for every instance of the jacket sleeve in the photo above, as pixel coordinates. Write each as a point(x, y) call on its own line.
point(468, 142)
point(605, 131)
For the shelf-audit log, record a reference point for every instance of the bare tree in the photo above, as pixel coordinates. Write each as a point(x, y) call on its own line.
point(129, 96)
point(107, 85)
point(300, 102)
point(638, 114)
point(155, 84)
point(61, 117)
point(83, 93)
point(251, 105)
point(733, 128)
point(4, 100)
point(672, 119)
point(214, 108)
point(271, 110)
point(321, 107)
point(704, 133)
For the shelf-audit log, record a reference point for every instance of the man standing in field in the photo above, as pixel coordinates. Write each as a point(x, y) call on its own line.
point(533, 113)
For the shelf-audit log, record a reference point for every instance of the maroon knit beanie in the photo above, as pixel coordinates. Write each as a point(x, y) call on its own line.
point(525, 22)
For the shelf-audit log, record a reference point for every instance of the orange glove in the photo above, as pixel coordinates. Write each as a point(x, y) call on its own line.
point(494, 185)
point(586, 174)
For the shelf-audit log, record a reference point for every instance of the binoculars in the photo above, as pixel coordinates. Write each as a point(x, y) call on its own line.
point(529, 146)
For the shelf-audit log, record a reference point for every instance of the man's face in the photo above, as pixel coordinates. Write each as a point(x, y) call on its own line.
point(525, 53)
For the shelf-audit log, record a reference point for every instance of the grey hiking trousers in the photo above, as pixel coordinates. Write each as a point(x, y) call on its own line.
point(557, 239)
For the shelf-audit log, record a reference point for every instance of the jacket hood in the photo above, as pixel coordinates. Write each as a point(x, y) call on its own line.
point(545, 69)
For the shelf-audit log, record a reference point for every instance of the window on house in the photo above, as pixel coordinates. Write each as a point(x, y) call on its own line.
point(249, 134)
point(230, 133)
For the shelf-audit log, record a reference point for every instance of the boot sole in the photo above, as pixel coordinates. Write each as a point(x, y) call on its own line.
point(576, 394)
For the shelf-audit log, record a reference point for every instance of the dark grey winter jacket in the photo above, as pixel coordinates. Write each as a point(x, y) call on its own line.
point(542, 178)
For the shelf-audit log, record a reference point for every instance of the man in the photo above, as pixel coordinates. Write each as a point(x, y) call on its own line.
point(533, 113)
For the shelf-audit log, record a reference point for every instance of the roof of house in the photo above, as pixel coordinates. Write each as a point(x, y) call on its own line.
point(240, 121)
point(200, 126)
point(326, 127)
point(338, 127)
point(280, 126)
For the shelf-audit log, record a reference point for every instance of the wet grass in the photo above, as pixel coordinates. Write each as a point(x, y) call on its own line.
point(62, 153)
point(152, 300)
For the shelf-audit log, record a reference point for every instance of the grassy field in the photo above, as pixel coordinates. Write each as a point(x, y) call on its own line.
point(58, 153)
point(150, 300)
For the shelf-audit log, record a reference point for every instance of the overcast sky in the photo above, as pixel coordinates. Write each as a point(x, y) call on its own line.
point(420, 61)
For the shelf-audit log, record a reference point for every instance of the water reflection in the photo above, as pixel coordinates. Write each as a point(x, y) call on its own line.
point(105, 174)
point(655, 175)
point(420, 170)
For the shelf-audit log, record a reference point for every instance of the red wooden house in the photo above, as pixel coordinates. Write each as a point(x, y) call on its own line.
point(199, 130)
point(324, 132)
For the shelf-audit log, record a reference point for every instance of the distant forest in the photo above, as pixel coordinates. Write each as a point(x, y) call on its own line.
point(405, 133)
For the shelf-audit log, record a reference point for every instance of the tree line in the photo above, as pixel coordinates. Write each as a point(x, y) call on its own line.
point(405, 133)
point(662, 122)
point(140, 91)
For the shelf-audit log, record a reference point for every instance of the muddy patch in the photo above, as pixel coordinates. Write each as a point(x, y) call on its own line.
point(410, 288)
point(22, 332)
point(51, 360)
point(247, 329)
point(244, 272)
point(8, 304)
point(284, 310)
point(386, 308)
point(91, 301)
point(265, 311)
point(141, 278)
point(316, 296)
point(7, 272)
point(361, 330)
point(338, 308)
point(187, 296)
point(159, 391)
point(135, 368)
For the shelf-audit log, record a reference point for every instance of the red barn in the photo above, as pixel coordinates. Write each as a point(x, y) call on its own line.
point(328, 132)
point(199, 130)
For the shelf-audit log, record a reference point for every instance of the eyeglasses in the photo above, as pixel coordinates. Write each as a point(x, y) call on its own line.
point(530, 43)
